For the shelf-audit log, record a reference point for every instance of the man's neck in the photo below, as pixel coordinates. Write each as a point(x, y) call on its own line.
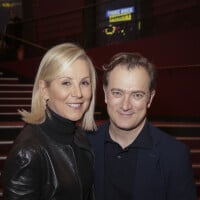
point(124, 137)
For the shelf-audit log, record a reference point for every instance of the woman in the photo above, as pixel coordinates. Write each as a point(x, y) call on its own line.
point(51, 158)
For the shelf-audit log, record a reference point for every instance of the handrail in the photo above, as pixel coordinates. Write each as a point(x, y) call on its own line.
point(178, 67)
point(24, 41)
point(159, 68)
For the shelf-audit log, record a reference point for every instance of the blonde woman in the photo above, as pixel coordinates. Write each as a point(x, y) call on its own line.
point(51, 158)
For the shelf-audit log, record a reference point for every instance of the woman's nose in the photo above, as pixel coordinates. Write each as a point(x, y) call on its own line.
point(76, 91)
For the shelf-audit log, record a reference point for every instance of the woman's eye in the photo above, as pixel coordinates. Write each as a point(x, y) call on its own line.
point(85, 83)
point(67, 83)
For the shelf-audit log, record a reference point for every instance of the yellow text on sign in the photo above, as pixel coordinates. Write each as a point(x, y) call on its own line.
point(120, 18)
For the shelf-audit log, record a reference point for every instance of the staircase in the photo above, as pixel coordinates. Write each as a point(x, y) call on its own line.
point(15, 95)
point(188, 133)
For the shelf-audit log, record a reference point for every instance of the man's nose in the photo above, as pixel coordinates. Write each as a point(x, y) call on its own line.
point(126, 102)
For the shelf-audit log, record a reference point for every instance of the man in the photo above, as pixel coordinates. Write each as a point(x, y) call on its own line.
point(135, 160)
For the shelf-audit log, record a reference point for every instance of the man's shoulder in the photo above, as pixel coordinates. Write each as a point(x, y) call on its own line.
point(164, 140)
point(98, 134)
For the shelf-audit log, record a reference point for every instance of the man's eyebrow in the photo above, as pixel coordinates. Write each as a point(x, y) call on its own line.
point(131, 91)
point(118, 89)
point(139, 91)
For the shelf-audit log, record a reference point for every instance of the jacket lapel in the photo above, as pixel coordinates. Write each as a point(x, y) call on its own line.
point(99, 166)
point(149, 179)
point(97, 142)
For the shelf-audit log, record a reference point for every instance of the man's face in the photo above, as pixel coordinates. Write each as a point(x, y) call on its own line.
point(128, 97)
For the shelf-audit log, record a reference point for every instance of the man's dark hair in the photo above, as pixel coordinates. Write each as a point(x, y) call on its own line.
point(131, 61)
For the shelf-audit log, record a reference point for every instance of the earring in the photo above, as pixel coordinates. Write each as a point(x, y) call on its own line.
point(44, 101)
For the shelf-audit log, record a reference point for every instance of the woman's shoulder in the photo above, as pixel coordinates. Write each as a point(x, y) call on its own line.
point(28, 133)
point(28, 141)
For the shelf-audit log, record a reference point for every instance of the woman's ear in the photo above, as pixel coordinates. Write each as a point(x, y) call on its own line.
point(43, 89)
point(153, 92)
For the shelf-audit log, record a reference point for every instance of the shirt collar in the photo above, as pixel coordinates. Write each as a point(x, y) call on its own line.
point(143, 140)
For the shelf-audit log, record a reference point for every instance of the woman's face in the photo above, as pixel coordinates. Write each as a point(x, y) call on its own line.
point(69, 95)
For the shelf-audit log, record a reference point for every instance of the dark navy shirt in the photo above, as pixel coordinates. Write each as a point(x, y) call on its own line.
point(120, 166)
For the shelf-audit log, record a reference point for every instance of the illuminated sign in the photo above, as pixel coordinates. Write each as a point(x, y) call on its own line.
point(110, 30)
point(120, 18)
point(6, 5)
point(120, 11)
point(120, 15)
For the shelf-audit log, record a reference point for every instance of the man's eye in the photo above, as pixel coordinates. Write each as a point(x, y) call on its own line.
point(138, 95)
point(116, 94)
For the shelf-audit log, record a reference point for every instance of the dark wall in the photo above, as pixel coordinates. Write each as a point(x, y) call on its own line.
point(177, 57)
point(47, 23)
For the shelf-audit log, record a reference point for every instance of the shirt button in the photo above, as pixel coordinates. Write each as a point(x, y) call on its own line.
point(119, 156)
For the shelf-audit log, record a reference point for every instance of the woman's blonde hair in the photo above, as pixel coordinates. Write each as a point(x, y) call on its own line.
point(52, 66)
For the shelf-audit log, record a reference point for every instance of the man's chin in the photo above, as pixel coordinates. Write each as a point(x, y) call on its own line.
point(125, 127)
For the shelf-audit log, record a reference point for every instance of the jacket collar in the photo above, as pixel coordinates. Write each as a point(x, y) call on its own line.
point(81, 140)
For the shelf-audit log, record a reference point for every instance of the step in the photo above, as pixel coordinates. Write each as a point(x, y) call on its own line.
point(174, 124)
point(15, 94)
point(195, 155)
point(10, 130)
point(182, 131)
point(12, 117)
point(9, 108)
point(191, 142)
point(2, 162)
point(179, 129)
point(5, 147)
point(11, 80)
point(17, 87)
point(1, 194)
point(18, 100)
point(198, 189)
point(196, 170)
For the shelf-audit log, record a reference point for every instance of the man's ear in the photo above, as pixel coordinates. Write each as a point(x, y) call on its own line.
point(43, 89)
point(153, 92)
point(105, 94)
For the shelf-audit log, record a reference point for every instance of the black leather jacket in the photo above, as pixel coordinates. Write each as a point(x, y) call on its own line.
point(40, 168)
